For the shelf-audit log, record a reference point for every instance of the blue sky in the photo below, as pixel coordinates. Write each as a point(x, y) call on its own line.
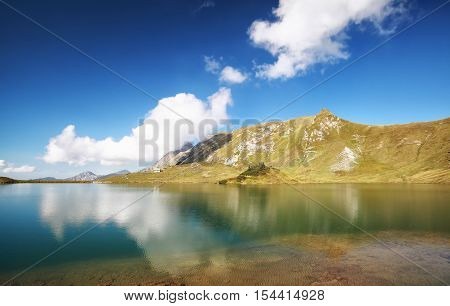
point(161, 47)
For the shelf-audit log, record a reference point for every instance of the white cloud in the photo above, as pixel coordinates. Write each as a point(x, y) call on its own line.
point(232, 75)
point(211, 64)
point(21, 169)
point(10, 168)
point(165, 129)
point(307, 32)
point(228, 74)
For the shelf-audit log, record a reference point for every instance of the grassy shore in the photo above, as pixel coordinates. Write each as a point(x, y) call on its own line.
point(215, 173)
point(6, 180)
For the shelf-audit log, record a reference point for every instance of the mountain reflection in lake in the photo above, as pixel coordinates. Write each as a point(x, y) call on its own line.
point(213, 234)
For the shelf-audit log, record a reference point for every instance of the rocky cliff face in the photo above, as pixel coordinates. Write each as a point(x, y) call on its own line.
point(172, 158)
point(204, 149)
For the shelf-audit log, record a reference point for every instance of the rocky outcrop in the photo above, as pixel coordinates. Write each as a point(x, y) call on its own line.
point(204, 149)
point(172, 158)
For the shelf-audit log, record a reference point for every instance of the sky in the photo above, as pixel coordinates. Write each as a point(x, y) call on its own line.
point(76, 105)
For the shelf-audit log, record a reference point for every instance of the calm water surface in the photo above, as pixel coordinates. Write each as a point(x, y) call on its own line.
point(213, 234)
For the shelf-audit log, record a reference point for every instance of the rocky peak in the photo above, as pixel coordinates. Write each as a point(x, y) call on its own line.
point(324, 112)
point(83, 176)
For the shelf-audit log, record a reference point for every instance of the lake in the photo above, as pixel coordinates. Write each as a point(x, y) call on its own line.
point(351, 234)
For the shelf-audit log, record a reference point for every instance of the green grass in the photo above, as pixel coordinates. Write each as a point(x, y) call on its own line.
point(190, 173)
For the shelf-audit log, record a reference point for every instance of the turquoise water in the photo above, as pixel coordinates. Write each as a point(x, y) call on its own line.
point(180, 225)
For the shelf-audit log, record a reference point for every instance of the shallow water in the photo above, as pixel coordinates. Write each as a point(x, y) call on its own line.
point(377, 234)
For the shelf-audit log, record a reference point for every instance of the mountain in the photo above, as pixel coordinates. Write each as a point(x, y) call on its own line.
point(189, 154)
point(83, 176)
point(48, 178)
point(90, 176)
point(171, 159)
point(204, 149)
point(320, 148)
point(118, 173)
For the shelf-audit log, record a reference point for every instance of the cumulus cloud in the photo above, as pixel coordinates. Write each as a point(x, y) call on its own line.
point(232, 76)
point(306, 32)
point(211, 64)
point(11, 168)
point(21, 169)
point(228, 74)
point(163, 131)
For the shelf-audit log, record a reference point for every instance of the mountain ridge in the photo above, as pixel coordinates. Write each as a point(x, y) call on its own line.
point(323, 148)
point(117, 173)
point(89, 176)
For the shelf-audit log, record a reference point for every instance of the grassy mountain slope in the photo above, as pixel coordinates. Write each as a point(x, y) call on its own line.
point(322, 148)
point(188, 173)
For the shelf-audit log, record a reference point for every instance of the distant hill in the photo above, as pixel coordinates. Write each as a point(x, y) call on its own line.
point(89, 176)
point(320, 148)
point(86, 176)
point(118, 173)
point(48, 178)
point(6, 180)
point(83, 176)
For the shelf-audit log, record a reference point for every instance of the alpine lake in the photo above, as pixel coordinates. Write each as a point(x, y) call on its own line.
point(209, 234)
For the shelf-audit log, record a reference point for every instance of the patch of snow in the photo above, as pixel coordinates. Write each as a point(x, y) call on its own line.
point(346, 160)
